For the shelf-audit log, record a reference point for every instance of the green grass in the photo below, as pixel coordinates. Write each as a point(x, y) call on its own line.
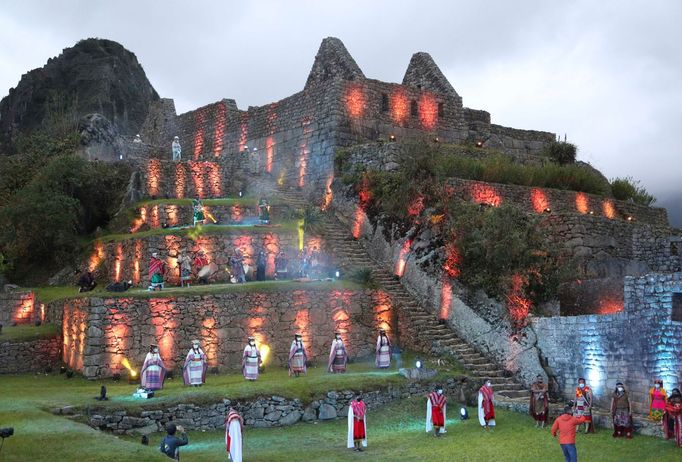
point(51, 294)
point(194, 232)
point(227, 201)
point(28, 332)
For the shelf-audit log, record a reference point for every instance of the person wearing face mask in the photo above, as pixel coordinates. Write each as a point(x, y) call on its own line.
point(539, 402)
point(194, 369)
point(297, 357)
point(436, 407)
point(357, 424)
point(383, 351)
point(486, 406)
point(657, 399)
point(153, 371)
point(583, 404)
point(672, 419)
point(621, 412)
point(338, 356)
point(251, 360)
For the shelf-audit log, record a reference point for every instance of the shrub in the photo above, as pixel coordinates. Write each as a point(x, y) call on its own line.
point(630, 189)
point(362, 276)
point(561, 152)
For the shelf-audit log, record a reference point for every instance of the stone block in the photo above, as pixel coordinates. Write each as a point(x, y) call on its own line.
point(327, 412)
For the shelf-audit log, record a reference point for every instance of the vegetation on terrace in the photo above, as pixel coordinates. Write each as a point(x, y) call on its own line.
point(28, 332)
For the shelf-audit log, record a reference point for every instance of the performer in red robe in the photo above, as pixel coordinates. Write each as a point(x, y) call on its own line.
point(357, 424)
point(436, 407)
point(157, 269)
point(486, 406)
point(200, 261)
point(672, 419)
point(233, 435)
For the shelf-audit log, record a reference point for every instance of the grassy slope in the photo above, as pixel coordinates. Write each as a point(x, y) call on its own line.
point(26, 332)
point(227, 201)
point(50, 294)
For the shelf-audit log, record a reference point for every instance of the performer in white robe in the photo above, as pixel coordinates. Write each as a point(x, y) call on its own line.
point(357, 424)
point(338, 355)
point(436, 411)
point(298, 357)
point(233, 435)
point(153, 371)
point(251, 360)
point(486, 406)
point(383, 351)
point(196, 364)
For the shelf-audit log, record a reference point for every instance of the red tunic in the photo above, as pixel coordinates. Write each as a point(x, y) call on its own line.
point(437, 404)
point(359, 411)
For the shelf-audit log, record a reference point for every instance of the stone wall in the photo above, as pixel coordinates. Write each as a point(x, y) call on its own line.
point(33, 356)
point(271, 411)
point(634, 346)
point(17, 308)
point(99, 333)
point(129, 259)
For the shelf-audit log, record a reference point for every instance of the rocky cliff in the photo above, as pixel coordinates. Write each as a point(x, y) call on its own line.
point(94, 76)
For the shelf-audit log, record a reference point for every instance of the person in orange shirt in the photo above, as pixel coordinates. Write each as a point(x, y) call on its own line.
point(567, 426)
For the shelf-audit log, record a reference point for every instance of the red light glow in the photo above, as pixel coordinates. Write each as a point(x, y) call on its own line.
point(180, 180)
point(358, 220)
point(453, 260)
point(118, 262)
point(153, 176)
point(445, 299)
point(198, 179)
point(610, 306)
point(582, 203)
point(416, 206)
point(198, 133)
point(214, 179)
point(399, 105)
point(164, 321)
point(136, 262)
point(243, 130)
point(485, 194)
point(517, 304)
point(97, 256)
point(172, 211)
point(355, 101)
point(428, 111)
point(328, 195)
point(219, 132)
point(383, 310)
point(402, 258)
point(539, 200)
point(609, 209)
point(269, 153)
point(154, 220)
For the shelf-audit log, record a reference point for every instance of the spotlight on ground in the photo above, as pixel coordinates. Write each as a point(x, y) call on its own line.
point(145, 440)
point(337, 274)
point(418, 364)
point(102, 394)
point(240, 194)
point(479, 144)
point(391, 138)
point(463, 414)
point(547, 210)
point(6, 432)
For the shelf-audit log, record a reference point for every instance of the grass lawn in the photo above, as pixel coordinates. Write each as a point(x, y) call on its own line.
point(26, 332)
point(50, 294)
point(290, 226)
point(225, 201)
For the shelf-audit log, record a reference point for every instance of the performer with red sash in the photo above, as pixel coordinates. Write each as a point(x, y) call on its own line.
point(233, 435)
point(200, 261)
point(436, 411)
point(583, 404)
point(194, 369)
point(157, 268)
point(297, 356)
point(357, 424)
point(338, 356)
point(672, 419)
point(486, 406)
point(539, 402)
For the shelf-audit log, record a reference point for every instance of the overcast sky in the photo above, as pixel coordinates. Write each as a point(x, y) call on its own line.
point(606, 73)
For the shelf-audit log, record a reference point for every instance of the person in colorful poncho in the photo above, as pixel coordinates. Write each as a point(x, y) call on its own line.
point(357, 424)
point(657, 400)
point(153, 371)
point(583, 404)
point(251, 360)
point(436, 411)
point(194, 369)
point(486, 406)
point(297, 357)
point(185, 263)
point(621, 412)
point(176, 148)
point(263, 211)
point(383, 351)
point(157, 269)
point(233, 435)
point(338, 356)
point(198, 216)
point(672, 419)
point(539, 401)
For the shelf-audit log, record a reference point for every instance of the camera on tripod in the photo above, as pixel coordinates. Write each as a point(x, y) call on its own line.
point(6, 432)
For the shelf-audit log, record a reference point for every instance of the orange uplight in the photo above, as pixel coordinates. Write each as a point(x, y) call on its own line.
point(399, 105)
point(582, 203)
point(609, 209)
point(219, 132)
point(271, 118)
point(485, 194)
point(214, 179)
point(42, 312)
point(164, 321)
point(136, 262)
point(402, 258)
point(153, 176)
point(539, 200)
point(172, 215)
point(180, 180)
point(328, 194)
point(383, 310)
point(358, 220)
point(154, 219)
point(198, 133)
point(355, 101)
point(518, 304)
point(416, 206)
point(269, 153)
point(118, 262)
point(610, 306)
point(445, 299)
point(197, 172)
point(453, 260)
point(243, 130)
point(97, 256)
point(428, 111)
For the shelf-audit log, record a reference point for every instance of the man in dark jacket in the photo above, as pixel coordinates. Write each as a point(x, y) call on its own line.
point(170, 445)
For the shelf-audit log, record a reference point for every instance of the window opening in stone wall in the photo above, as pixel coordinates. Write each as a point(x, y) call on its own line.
point(441, 110)
point(677, 307)
point(414, 110)
point(673, 249)
point(384, 102)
